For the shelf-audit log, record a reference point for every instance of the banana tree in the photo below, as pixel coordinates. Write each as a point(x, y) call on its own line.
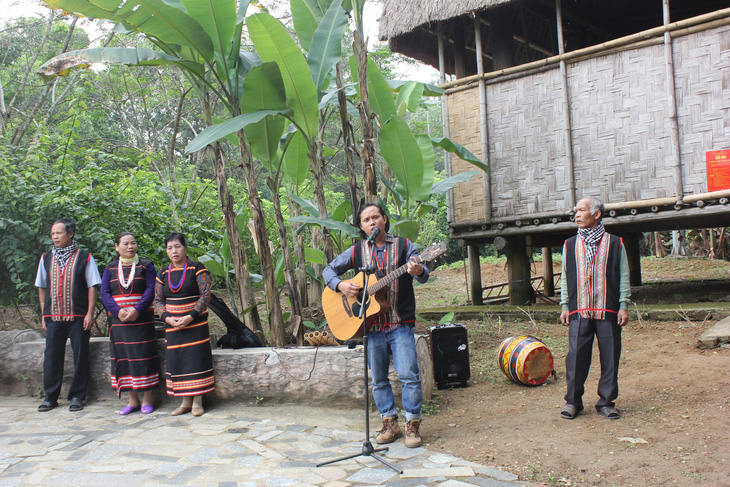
point(320, 25)
point(409, 156)
point(203, 39)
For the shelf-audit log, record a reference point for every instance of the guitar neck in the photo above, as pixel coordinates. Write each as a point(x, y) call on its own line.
point(388, 280)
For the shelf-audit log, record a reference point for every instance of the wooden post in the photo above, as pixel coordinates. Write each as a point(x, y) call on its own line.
point(475, 275)
point(631, 241)
point(518, 271)
point(483, 133)
point(712, 244)
point(547, 271)
point(567, 124)
point(671, 90)
point(446, 127)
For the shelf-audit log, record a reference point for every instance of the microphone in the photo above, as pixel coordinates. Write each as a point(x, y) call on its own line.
point(376, 232)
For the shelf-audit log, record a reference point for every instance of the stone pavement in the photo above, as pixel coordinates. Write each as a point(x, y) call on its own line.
point(231, 445)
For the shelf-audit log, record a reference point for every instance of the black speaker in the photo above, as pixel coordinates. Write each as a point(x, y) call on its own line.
point(450, 352)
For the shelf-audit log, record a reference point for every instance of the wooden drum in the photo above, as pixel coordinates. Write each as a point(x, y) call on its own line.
point(525, 360)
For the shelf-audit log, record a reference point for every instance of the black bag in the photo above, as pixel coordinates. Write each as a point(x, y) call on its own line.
point(239, 335)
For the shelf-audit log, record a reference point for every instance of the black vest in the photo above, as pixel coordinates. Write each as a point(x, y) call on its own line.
point(612, 278)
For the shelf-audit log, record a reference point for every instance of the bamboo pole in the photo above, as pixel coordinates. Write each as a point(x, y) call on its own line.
point(627, 205)
point(712, 19)
point(566, 104)
point(672, 101)
point(445, 122)
point(706, 196)
point(484, 135)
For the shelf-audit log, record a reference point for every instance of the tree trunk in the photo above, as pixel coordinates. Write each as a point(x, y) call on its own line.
point(659, 246)
point(677, 246)
point(367, 149)
point(301, 272)
point(276, 318)
point(721, 246)
point(321, 238)
point(296, 307)
point(7, 113)
point(347, 139)
point(238, 254)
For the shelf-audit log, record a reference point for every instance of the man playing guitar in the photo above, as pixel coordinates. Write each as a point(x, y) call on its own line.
point(392, 329)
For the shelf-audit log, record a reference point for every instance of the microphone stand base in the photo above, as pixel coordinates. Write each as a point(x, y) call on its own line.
point(367, 451)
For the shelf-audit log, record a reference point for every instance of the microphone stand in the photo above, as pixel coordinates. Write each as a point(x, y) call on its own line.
point(367, 447)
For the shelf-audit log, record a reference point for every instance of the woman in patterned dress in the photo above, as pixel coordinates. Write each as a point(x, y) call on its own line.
point(127, 291)
point(182, 294)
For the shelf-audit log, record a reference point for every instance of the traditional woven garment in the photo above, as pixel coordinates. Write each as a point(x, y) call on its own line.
point(67, 295)
point(591, 237)
point(189, 360)
point(134, 361)
point(593, 286)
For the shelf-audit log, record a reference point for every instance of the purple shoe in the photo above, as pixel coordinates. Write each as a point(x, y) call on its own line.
point(147, 408)
point(128, 409)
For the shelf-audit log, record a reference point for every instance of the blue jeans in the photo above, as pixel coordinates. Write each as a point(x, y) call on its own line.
point(403, 345)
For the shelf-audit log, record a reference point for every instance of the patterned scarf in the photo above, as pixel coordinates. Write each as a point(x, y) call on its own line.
point(591, 237)
point(63, 254)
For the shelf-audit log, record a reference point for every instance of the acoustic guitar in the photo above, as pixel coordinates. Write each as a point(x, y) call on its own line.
point(342, 312)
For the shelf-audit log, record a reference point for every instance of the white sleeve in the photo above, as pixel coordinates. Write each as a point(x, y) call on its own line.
point(41, 278)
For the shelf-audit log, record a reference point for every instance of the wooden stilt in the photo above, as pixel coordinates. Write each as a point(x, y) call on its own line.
point(547, 271)
point(475, 275)
point(631, 241)
point(518, 271)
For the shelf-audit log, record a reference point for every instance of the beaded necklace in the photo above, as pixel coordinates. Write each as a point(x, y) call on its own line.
point(120, 272)
point(177, 286)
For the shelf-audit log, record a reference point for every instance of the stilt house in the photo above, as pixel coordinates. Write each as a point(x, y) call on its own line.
point(625, 100)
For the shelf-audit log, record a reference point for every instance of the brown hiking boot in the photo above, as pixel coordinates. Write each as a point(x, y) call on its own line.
point(413, 437)
point(390, 432)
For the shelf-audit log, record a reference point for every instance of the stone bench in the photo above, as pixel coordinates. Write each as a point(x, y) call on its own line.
point(331, 376)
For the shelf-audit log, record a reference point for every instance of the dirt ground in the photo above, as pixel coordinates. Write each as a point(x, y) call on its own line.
point(674, 398)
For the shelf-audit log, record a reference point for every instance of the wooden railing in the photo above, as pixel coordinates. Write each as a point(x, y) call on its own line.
point(500, 291)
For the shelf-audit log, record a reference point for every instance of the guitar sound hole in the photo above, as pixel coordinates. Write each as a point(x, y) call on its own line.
point(356, 305)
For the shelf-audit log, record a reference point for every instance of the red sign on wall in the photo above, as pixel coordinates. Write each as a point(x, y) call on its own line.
point(718, 170)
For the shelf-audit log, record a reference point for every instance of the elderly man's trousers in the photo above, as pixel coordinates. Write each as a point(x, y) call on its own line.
point(57, 332)
point(580, 351)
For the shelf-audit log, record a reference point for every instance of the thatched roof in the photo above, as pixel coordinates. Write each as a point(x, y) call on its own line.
point(402, 16)
point(412, 27)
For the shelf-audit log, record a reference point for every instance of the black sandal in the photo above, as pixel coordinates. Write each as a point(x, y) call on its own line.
point(47, 406)
point(609, 412)
point(76, 405)
point(569, 411)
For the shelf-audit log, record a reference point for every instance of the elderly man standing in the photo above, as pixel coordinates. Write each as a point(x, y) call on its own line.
point(595, 296)
point(66, 281)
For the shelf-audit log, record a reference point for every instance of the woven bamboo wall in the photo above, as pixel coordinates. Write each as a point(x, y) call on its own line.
point(621, 129)
point(702, 82)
